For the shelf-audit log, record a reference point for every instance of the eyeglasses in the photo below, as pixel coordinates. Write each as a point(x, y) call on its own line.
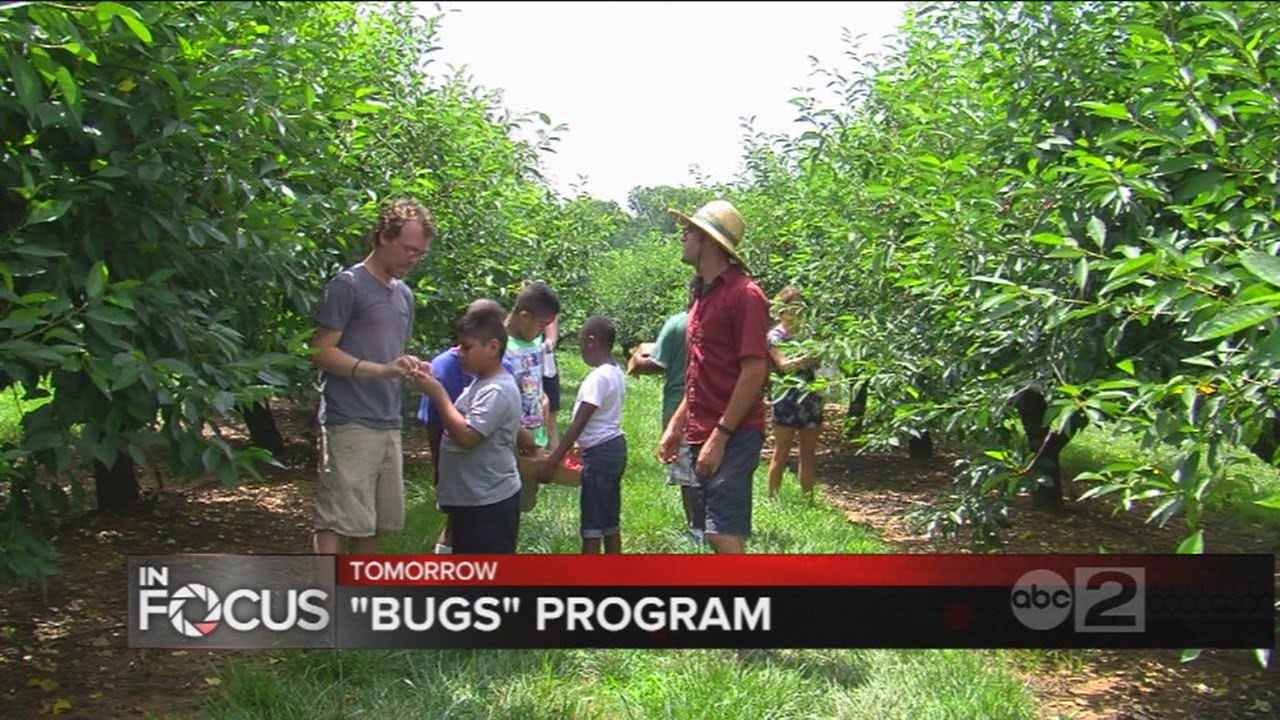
point(413, 252)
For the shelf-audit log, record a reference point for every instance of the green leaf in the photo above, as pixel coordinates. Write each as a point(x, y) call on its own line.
point(48, 211)
point(1115, 111)
point(223, 401)
point(111, 316)
point(1231, 321)
point(30, 89)
point(1193, 544)
point(1189, 655)
point(70, 91)
point(175, 366)
point(1272, 502)
point(992, 280)
point(1097, 231)
point(103, 97)
point(1082, 274)
point(40, 251)
point(1131, 266)
point(1198, 184)
point(1263, 265)
point(130, 17)
point(1263, 656)
point(126, 376)
point(1127, 366)
point(1207, 121)
point(97, 279)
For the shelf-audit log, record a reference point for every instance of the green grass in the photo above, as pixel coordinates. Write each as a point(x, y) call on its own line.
point(1250, 479)
point(12, 408)
point(628, 683)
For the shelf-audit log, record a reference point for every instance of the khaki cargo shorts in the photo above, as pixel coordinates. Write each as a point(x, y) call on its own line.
point(361, 491)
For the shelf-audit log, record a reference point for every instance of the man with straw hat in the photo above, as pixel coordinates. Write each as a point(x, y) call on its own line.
point(722, 414)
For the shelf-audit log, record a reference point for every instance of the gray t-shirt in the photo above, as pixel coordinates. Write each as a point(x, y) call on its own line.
point(487, 472)
point(375, 321)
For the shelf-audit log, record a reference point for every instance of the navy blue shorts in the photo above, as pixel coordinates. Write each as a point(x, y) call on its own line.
point(728, 492)
point(486, 529)
point(551, 386)
point(601, 498)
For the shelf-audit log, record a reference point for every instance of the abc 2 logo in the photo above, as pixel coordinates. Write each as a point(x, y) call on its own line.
point(1101, 600)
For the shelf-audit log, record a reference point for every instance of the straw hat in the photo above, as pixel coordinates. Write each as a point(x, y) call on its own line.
point(722, 222)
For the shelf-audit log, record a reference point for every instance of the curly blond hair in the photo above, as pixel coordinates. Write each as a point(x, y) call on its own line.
point(395, 214)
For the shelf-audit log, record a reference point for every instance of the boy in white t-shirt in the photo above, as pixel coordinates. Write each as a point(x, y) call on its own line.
point(597, 428)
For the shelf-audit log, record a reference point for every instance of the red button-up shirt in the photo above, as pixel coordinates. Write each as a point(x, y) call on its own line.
point(729, 321)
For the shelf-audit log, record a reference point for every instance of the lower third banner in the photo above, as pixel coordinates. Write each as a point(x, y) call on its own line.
point(675, 601)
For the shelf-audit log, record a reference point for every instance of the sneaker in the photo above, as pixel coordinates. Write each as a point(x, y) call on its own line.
point(695, 536)
point(443, 549)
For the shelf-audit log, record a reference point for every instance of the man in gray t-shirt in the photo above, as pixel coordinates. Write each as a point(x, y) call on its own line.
point(363, 324)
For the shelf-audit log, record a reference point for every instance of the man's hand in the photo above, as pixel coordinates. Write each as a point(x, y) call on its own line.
point(404, 366)
point(633, 361)
point(712, 455)
point(668, 446)
point(640, 362)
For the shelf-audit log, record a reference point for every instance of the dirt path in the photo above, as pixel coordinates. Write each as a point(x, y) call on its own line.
point(62, 644)
point(63, 649)
point(879, 491)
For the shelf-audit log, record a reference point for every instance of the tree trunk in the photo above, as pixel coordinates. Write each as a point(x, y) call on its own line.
point(262, 428)
point(1268, 440)
point(857, 412)
point(1046, 470)
point(117, 486)
point(920, 448)
point(858, 401)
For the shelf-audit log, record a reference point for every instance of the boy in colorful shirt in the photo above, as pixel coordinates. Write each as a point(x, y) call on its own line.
point(536, 306)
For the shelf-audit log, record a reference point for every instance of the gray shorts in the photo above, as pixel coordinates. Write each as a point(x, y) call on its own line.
point(680, 471)
point(728, 492)
point(361, 489)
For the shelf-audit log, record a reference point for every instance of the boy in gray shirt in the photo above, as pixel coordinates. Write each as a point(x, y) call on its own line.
point(479, 483)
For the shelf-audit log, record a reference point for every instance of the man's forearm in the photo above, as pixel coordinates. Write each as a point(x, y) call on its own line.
point(746, 393)
point(679, 418)
point(336, 361)
point(645, 366)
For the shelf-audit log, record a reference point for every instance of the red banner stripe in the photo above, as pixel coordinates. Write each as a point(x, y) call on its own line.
point(780, 570)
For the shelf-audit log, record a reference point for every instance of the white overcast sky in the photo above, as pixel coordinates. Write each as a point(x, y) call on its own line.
point(650, 88)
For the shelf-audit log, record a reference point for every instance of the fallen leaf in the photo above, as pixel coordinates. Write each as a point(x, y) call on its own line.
point(45, 684)
point(55, 707)
point(213, 681)
point(96, 695)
